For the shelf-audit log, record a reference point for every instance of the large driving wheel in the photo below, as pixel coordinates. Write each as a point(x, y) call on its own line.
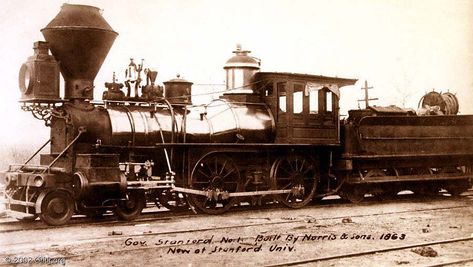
point(298, 174)
point(218, 175)
point(131, 207)
point(57, 208)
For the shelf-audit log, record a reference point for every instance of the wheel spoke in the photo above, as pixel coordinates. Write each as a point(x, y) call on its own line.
point(302, 166)
point(287, 186)
point(209, 169)
point(233, 169)
point(206, 200)
point(288, 195)
point(307, 170)
point(216, 165)
point(223, 167)
point(203, 173)
point(290, 165)
point(285, 179)
point(286, 171)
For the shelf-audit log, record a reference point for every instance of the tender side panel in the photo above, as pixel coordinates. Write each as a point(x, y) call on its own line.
point(433, 135)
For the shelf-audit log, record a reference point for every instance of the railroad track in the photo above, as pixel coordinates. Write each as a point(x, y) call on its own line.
point(452, 263)
point(264, 225)
point(377, 251)
point(289, 263)
point(110, 219)
point(164, 215)
point(279, 222)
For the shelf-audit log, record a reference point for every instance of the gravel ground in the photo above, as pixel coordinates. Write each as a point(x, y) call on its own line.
point(261, 237)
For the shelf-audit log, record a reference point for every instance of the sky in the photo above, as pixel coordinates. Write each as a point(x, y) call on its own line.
point(403, 48)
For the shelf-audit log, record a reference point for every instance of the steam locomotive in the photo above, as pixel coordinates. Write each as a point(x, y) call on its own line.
point(271, 136)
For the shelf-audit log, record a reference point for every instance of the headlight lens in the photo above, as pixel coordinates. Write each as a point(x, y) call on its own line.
point(25, 79)
point(38, 181)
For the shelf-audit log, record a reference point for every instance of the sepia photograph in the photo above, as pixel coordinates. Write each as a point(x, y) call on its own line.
point(236, 133)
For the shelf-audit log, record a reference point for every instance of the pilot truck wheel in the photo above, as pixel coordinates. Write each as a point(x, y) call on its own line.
point(131, 208)
point(57, 208)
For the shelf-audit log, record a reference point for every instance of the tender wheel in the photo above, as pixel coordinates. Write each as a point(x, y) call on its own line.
point(57, 208)
point(131, 208)
point(426, 190)
point(174, 201)
point(217, 174)
point(298, 174)
point(354, 194)
point(456, 188)
point(387, 194)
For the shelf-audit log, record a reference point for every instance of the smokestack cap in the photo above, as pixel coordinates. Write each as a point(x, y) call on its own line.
point(79, 16)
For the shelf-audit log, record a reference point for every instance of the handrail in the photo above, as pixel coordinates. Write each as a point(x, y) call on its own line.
point(81, 131)
point(164, 142)
point(36, 153)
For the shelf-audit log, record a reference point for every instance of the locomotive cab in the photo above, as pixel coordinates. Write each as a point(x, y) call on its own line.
point(305, 106)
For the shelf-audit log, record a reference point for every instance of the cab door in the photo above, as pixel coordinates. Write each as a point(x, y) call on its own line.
point(281, 111)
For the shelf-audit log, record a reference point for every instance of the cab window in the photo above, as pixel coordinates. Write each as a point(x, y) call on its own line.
point(282, 96)
point(328, 98)
point(268, 90)
point(298, 99)
point(313, 101)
